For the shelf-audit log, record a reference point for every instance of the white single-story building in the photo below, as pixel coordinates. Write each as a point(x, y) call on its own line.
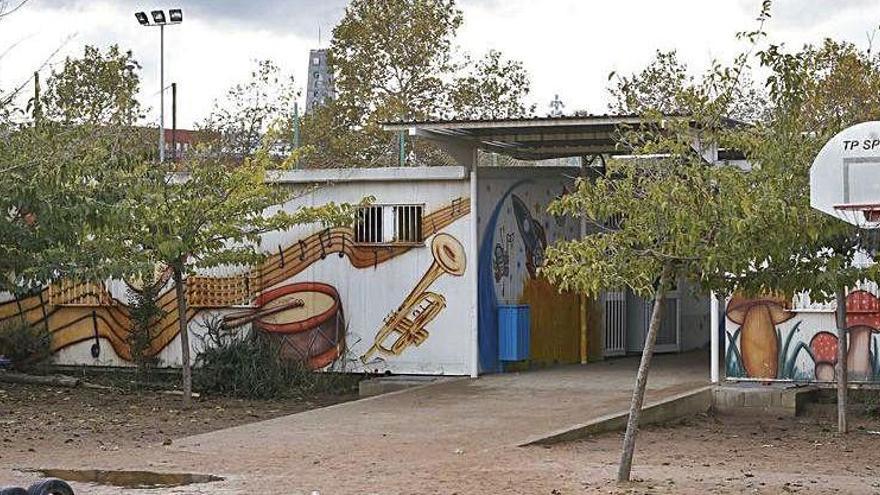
point(435, 276)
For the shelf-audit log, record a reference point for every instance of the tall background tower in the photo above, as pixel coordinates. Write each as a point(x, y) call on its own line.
point(320, 82)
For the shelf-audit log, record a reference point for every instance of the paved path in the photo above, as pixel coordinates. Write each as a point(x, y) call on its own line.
point(458, 436)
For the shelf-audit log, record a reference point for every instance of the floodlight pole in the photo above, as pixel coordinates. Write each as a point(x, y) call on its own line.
point(161, 93)
point(159, 20)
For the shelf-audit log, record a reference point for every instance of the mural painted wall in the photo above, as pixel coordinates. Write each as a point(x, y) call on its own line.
point(327, 299)
point(515, 229)
point(767, 340)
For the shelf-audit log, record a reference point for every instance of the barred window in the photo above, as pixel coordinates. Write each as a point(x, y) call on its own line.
point(408, 223)
point(368, 225)
point(404, 224)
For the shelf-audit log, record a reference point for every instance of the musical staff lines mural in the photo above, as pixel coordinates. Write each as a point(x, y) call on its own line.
point(312, 331)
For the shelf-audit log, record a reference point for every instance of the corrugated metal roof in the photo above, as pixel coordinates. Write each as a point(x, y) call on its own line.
point(536, 138)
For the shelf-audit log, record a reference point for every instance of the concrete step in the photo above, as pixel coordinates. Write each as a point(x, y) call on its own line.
point(670, 409)
point(777, 399)
point(392, 383)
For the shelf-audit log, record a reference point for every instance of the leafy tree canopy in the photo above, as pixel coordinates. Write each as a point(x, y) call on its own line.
point(61, 172)
point(397, 60)
point(241, 121)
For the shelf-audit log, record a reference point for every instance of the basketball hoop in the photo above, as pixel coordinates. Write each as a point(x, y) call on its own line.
point(866, 217)
point(844, 183)
point(862, 215)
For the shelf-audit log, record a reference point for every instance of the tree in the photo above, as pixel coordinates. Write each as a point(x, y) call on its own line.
point(666, 86)
point(391, 57)
point(59, 188)
point(212, 208)
point(240, 122)
point(491, 88)
point(204, 213)
point(96, 88)
point(815, 93)
point(657, 221)
point(670, 216)
point(397, 60)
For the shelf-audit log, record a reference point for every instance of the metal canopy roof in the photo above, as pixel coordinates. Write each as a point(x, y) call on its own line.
point(529, 138)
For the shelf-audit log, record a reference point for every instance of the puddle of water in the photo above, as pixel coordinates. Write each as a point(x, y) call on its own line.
point(129, 479)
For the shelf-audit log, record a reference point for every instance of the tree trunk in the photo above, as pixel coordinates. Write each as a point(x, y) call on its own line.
point(186, 368)
point(638, 397)
point(841, 367)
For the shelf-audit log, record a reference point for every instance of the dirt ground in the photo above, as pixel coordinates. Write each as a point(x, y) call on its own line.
point(734, 454)
point(41, 426)
point(36, 418)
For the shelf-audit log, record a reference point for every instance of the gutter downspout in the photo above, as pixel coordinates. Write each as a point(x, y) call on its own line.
point(474, 255)
point(582, 299)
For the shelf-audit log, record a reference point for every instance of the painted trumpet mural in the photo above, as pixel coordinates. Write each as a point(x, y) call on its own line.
point(766, 340)
point(306, 316)
point(405, 326)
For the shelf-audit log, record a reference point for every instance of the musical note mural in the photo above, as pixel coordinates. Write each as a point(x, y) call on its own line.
point(305, 316)
point(401, 299)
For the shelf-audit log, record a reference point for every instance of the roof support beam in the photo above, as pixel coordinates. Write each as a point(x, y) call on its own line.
point(462, 151)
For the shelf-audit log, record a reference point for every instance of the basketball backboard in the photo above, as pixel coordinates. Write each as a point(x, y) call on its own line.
point(845, 176)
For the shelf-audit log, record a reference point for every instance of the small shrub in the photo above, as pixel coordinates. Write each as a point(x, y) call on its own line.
point(238, 363)
point(25, 345)
point(145, 313)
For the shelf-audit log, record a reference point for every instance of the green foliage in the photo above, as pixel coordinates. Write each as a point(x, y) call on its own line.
point(744, 226)
point(390, 57)
point(61, 175)
point(23, 344)
point(396, 60)
point(665, 86)
point(212, 213)
point(95, 88)
point(241, 121)
point(645, 215)
point(491, 88)
point(236, 363)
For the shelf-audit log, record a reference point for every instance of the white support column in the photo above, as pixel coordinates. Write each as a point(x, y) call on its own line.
point(475, 249)
point(715, 341)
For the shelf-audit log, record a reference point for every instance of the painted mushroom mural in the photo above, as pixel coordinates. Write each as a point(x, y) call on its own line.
point(823, 347)
point(862, 322)
point(759, 343)
point(760, 348)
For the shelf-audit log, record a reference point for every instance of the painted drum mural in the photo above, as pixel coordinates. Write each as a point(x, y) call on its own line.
point(767, 340)
point(305, 318)
point(288, 297)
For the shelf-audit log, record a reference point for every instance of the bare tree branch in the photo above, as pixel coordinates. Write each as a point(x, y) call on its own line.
point(6, 99)
point(4, 12)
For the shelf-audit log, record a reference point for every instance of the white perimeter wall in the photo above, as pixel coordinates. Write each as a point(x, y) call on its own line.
point(368, 295)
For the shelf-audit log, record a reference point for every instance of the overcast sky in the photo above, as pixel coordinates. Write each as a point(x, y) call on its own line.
point(568, 46)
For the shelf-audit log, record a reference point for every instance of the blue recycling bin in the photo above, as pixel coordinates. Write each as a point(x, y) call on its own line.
point(513, 332)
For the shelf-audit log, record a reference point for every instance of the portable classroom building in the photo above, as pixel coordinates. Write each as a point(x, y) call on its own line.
point(414, 285)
